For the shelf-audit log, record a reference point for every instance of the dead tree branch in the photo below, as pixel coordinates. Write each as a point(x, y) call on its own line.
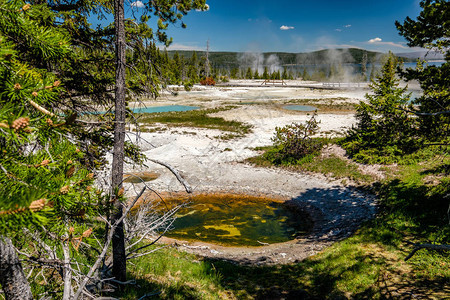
point(435, 247)
point(186, 185)
point(106, 246)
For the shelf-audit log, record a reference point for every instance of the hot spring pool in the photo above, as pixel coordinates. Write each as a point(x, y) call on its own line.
point(239, 220)
point(300, 107)
point(166, 108)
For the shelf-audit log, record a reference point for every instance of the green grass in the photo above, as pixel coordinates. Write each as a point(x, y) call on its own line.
point(368, 265)
point(331, 166)
point(337, 168)
point(198, 119)
point(174, 275)
point(327, 105)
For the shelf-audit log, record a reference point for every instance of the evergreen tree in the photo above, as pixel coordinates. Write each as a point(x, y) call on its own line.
point(285, 74)
point(193, 68)
point(234, 73)
point(431, 30)
point(275, 75)
point(384, 129)
point(176, 68)
point(256, 74)
point(47, 190)
point(305, 76)
point(249, 74)
point(265, 75)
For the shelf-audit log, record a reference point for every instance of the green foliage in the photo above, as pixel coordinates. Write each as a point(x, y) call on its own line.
point(265, 74)
point(431, 30)
point(249, 74)
point(293, 144)
point(45, 181)
point(385, 130)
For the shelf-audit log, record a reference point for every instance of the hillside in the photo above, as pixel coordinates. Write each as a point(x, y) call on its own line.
point(426, 55)
point(328, 56)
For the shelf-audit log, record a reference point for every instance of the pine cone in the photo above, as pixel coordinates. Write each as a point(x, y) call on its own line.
point(64, 189)
point(87, 233)
point(37, 205)
point(20, 123)
point(45, 162)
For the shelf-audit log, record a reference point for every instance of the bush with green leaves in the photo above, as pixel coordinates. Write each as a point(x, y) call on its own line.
point(294, 143)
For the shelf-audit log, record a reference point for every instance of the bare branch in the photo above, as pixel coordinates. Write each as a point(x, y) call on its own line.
point(106, 246)
point(146, 253)
point(68, 291)
point(417, 247)
point(186, 185)
point(41, 109)
point(149, 295)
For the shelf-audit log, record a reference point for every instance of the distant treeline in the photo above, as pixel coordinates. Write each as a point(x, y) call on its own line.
point(324, 65)
point(328, 56)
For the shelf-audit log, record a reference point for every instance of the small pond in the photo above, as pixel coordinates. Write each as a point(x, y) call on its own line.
point(239, 220)
point(166, 108)
point(300, 107)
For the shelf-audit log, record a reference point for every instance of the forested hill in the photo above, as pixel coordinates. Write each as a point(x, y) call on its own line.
point(328, 56)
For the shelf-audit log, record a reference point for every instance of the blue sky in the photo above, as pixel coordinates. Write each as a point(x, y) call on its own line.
point(295, 26)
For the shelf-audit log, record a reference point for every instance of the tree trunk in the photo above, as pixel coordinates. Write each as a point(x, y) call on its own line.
point(13, 280)
point(118, 240)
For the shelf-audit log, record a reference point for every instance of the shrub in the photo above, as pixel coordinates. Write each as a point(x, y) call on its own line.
point(207, 81)
point(293, 144)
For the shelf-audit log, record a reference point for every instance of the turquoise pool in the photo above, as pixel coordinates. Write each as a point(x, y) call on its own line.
point(300, 107)
point(166, 108)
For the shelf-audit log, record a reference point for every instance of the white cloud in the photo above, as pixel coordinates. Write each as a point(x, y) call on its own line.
point(284, 27)
point(206, 8)
point(375, 40)
point(176, 46)
point(138, 4)
point(347, 26)
point(387, 45)
point(394, 45)
point(338, 30)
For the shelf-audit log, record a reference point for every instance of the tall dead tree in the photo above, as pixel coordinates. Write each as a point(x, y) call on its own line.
point(118, 241)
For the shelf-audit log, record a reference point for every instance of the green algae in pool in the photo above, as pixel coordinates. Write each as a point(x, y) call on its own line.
point(239, 221)
point(140, 177)
point(300, 107)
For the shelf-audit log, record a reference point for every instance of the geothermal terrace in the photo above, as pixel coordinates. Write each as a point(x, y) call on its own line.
point(214, 165)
